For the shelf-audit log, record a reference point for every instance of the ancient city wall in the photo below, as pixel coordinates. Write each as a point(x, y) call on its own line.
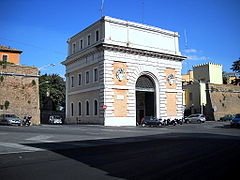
point(19, 91)
point(224, 99)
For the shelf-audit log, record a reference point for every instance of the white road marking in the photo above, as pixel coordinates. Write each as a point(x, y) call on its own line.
point(19, 147)
point(40, 138)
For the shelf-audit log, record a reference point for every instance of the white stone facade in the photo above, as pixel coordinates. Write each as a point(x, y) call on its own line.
point(110, 56)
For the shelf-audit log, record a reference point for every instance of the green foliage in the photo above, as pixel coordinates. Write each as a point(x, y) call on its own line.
point(6, 104)
point(236, 66)
point(54, 85)
point(224, 97)
point(1, 78)
point(4, 62)
point(33, 82)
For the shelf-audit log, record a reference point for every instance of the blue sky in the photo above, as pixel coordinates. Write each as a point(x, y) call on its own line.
point(40, 28)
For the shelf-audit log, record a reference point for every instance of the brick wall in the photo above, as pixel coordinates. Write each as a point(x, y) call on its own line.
point(19, 89)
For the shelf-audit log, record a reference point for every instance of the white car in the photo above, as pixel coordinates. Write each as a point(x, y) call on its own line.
point(197, 118)
point(55, 119)
point(10, 119)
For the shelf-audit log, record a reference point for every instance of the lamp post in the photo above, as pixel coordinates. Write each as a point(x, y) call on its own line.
point(45, 82)
point(44, 67)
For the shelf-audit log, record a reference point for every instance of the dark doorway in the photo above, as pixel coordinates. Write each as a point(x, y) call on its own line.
point(145, 98)
point(149, 103)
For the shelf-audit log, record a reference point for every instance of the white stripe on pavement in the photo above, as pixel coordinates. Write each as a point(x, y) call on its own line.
point(19, 147)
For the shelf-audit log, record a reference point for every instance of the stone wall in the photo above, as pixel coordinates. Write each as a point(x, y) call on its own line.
point(222, 99)
point(19, 91)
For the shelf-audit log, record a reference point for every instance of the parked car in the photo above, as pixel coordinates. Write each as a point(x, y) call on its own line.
point(55, 119)
point(10, 119)
point(235, 121)
point(150, 121)
point(227, 117)
point(199, 118)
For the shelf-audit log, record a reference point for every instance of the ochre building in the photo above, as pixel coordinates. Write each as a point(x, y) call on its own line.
point(9, 54)
point(119, 71)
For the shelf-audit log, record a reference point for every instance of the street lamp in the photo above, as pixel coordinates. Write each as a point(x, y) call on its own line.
point(44, 67)
point(44, 82)
point(48, 91)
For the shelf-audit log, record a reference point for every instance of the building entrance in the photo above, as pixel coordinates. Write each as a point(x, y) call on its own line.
point(145, 98)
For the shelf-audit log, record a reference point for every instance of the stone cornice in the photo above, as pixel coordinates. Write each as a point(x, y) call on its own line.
point(111, 47)
point(75, 57)
point(143, 52)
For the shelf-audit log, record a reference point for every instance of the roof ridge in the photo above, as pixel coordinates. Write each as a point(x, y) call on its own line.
point(6, 48)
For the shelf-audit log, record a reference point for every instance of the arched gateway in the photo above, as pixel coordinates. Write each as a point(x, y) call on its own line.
point(145, 97)
point(125, 71)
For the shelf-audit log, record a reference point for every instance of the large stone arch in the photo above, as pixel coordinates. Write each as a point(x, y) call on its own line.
point(155, 81)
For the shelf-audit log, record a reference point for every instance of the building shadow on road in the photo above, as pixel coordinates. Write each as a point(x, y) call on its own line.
point(228, 126)
point(169, 156)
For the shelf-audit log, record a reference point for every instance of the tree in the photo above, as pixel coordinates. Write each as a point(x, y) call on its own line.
point(236, 66)
point(52, 87)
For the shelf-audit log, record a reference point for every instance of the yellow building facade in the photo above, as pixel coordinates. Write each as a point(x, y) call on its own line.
point(209, 72)
point(194, 85)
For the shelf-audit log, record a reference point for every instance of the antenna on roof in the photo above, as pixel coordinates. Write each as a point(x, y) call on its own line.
point(102, 8)
point(186, 47)
point(186, 40)
point(142, 11)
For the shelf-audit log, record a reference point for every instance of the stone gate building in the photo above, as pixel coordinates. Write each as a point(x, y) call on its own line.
point(132, 70)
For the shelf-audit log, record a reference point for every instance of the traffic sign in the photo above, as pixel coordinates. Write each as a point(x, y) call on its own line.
point(104, 107)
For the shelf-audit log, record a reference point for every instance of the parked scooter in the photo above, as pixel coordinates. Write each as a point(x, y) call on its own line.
point(170, 122)
point(179, 121)
point(173, 122)
point(27, 121)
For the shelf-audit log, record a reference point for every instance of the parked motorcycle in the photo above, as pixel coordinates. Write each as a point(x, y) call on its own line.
point(27, 121)
point(170, 122)
point(173, 122)
point(179, 121)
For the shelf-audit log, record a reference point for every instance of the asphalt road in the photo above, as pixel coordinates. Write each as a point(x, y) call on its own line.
point(204, 151)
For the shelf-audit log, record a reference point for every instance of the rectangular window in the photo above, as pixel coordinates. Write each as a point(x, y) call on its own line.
point(5, 57)
point(72, 81)
point(79, 79)
point(73, 48)
point(95, 107)
point(97, 35)
point(81, 44)
point(89, 40)
point(95, 74)
point(87, 108)
point(79, 108)
point(87, 77)
point(71, 109)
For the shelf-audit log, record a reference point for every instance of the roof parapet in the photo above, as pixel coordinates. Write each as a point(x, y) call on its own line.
point(207, 64)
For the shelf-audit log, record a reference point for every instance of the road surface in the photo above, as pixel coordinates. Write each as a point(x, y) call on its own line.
point(204, 151)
